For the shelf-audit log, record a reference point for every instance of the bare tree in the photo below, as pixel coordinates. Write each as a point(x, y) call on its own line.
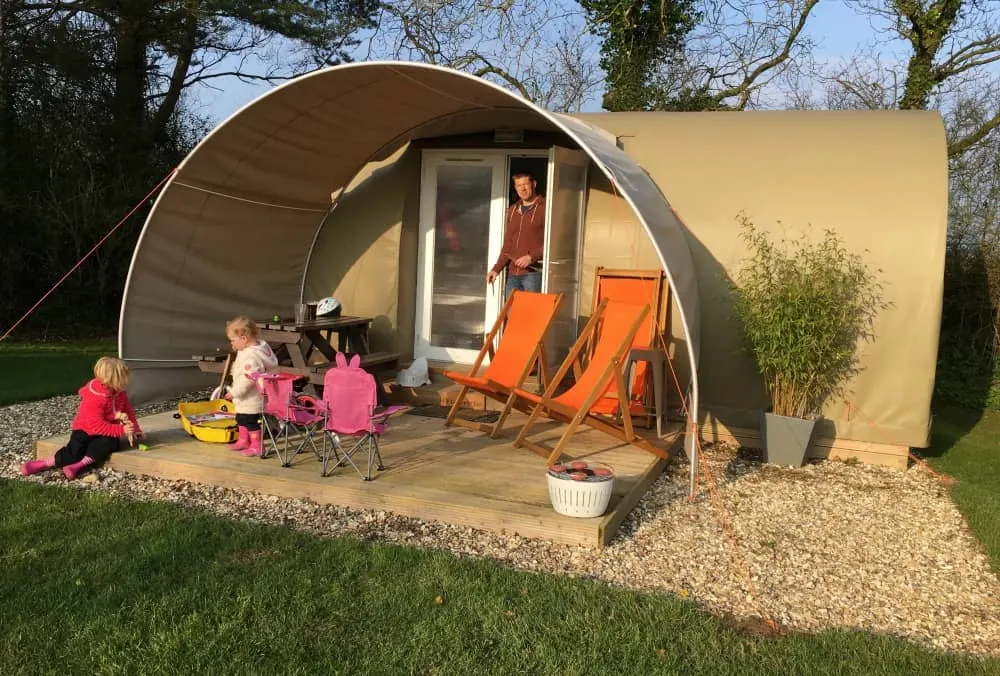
point(739, 49)
point(539, 49)
point(950, 46)
point(970, 325)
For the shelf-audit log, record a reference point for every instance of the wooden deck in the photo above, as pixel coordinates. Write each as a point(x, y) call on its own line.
point(431, 472)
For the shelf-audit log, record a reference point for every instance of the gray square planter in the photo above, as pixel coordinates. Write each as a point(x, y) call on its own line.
point(786, 440)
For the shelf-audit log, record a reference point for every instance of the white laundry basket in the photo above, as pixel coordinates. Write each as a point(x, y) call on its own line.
point(580, 489)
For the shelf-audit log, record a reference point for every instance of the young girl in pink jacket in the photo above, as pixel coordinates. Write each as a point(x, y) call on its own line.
point(104, 417)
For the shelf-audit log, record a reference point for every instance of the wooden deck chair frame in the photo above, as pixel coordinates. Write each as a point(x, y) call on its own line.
point(497, 391)
point(576, 417)
point(660, 305)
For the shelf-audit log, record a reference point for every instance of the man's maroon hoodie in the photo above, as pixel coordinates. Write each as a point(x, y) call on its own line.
point(98, 406)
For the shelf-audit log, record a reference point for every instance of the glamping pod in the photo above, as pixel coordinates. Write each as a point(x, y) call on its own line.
point(384, 184)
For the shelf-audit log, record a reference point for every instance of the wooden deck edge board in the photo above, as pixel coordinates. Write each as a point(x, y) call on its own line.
point(268, 469)
point(505, 518)
point(611, 522)
point(527, 513)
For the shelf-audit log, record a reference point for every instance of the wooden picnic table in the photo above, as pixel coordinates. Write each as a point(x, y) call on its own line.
point(297, 344)
point(298, 341)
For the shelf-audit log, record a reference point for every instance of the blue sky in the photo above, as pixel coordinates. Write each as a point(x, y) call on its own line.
point(838, 30)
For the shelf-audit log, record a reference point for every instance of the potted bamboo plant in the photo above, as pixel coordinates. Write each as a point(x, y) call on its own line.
point(804, 307)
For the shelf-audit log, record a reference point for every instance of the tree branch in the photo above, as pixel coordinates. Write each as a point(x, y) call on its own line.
point(746, 87)
point(967, 57)
point(243, 77)
point(489, 68)
point(959, 146)
point(182, 64)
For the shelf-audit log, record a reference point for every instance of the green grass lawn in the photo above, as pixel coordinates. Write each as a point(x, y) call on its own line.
point(966, 446)
point(93, 584)
point(33, 371)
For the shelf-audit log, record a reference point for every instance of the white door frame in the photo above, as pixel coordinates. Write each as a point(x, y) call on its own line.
point(559, 154)
point(555, 278)
point(431, 161)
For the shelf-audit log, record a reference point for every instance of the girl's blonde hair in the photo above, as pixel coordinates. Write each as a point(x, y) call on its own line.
point(242, 326)
point(112, 373)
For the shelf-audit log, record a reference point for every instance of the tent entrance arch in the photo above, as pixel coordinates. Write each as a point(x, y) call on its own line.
point(464, 195)
point(308, 189)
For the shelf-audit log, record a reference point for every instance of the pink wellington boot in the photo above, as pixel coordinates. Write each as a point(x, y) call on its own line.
point(71, 471)
point(242, 440)
point(35, 466)
point(253, 450)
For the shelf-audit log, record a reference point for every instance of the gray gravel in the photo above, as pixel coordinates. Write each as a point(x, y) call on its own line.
point(826, 545)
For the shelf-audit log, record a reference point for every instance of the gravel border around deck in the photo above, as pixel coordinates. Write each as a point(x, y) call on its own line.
point(827, 545)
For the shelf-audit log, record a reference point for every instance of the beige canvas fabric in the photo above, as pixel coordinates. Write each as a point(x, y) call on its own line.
point(879, 179)
point(244, 226)
point(272, 167)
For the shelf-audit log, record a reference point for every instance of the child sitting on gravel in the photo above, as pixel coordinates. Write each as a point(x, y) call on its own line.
point(104, 417)
point(252, 356)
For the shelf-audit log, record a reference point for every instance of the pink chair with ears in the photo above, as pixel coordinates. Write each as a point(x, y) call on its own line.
point(350, 399)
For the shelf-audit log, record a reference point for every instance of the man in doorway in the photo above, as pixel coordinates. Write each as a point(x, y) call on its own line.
point(524, 239)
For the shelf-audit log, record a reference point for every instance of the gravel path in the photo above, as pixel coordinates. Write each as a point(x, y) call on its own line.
point(826, 545)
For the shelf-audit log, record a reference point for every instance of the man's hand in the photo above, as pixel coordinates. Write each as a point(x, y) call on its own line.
point(523, 261)
point(491, 276)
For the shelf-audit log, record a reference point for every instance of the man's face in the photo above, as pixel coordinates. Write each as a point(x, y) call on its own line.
point(525, 187)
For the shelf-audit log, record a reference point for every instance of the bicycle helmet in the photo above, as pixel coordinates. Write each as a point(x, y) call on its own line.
point(328, 307)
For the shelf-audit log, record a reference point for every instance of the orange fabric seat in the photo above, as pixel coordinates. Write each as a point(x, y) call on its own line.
point(523, 322)
point(611, 331)
point(637, 287)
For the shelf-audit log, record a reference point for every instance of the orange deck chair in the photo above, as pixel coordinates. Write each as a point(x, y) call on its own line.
point(639, 287)
point(524, 319)
point(614, 324)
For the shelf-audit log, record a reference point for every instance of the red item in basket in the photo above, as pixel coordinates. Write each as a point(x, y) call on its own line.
point(601, 471)
point(578, 465)
point(577, 476)
point(558, 468)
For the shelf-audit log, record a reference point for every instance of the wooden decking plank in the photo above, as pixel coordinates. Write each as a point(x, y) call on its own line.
point(346, 489)
point(432, 472)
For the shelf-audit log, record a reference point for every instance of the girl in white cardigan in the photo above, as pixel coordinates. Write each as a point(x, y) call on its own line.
point(252, 356)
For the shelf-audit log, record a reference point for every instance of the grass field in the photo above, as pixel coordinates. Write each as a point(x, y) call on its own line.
point(966, 445)
point(94, 584)
point(33, 371)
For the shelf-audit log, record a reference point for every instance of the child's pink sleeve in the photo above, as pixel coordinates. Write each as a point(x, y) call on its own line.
point(92, 419)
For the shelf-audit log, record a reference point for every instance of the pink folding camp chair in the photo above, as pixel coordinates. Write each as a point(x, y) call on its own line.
point(350, 397)
point(288, 414)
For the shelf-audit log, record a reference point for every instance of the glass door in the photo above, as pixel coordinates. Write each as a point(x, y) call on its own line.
point(463, 196)
point(565, 203)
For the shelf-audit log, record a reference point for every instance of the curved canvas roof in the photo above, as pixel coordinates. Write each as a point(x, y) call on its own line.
point(231, 231)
